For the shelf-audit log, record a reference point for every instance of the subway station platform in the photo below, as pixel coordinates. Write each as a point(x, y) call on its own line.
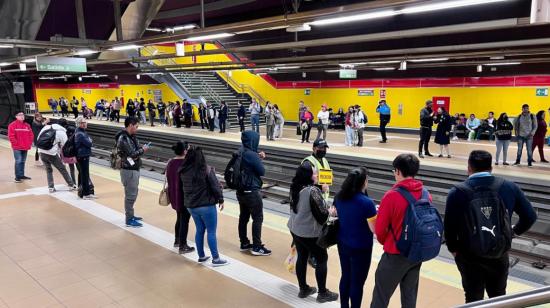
point(57, 250)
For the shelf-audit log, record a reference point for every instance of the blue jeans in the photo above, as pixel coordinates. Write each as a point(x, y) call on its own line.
point(20, 159)
point(528, 141)
point(255, 121)
point(355, 264)
point(206, 219)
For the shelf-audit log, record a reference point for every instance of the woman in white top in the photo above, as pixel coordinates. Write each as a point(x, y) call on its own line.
point(322, 126)
point(279, 122)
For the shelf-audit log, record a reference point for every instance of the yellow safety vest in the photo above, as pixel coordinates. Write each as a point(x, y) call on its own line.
point(324, 173)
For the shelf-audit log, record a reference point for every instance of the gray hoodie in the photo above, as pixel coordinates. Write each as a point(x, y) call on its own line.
point(525, 125)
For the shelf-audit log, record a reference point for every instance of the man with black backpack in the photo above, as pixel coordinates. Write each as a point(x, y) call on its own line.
point(478, 227)
point(410, 228)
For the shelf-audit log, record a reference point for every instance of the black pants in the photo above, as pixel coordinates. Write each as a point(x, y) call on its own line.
point(251, 205)
point(355, 265)
point(395, 270)
point(64, 112)
point(480, 275)
point(116, 115)
point(384, 120)
point(72, 173)
point(305, 134)
point(211, 124)
point(152, 119)
point(425, 135)
point(306, 247)
point(182, 227)
point(75, 112)
point(188, 121)
point(84, 174)
point(203, 122)
point(177, 119)
point(222, 125)
point(360, 137)
point(241, 124)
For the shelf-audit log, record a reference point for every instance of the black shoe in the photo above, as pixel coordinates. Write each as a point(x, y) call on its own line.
point(529, 165)
point(496, 164)
point(516, 163)
point(505, 164)
point(307, 292)
point(382, 141)
point(186, 249)
point(176, 243)
point(25, 178)
point(440, 155)
point(260, 251)
point(533, 161)
point(17, 180)
point(544, 161)
point(428, 154)
point(327, 296)
point(246, 247)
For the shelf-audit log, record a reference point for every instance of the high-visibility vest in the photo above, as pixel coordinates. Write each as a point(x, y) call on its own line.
point(324, 173)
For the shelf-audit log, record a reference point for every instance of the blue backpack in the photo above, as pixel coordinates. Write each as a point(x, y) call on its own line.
point(422, 230)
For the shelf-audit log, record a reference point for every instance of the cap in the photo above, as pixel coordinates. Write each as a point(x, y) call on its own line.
point(429, 102)
point(320, 143)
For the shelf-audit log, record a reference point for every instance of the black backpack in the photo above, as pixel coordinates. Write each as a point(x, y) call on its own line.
point(46, 139)
point(489, 233)
point(69, 148)
point(232, 174)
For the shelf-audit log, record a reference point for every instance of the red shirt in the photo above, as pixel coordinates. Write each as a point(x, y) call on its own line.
point(20, 135)
point(392, 210)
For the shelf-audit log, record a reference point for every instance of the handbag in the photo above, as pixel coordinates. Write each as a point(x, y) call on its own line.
point(329, 234)
point(164, 199)
point(290, 261)
point(298, 130)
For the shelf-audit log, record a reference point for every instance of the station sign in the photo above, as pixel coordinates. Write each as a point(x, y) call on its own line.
point(365, 92)
point(307, 92)
point(348, 74)
point(61, 64)
point(542, 91)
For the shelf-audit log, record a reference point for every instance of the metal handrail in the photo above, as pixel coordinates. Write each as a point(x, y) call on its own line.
point(242, 88)
point(523, 299)
point(206, 89)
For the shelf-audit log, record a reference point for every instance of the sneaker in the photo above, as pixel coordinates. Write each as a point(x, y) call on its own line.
point(89, 197)
point(186, 249)
point(496, 164)
point(529, 165)
point(203, 259)
point(137, 218)
point(420, 155)
point(73, 188)
point(506, 164)
point(17, 180)
point(455, 138)
point(131, 222)
point(516, 163)
point(428, 154)
point(327, 296)
point(449, 156)
point(25, 177)
point(544, 161)
point(307, 292)
point(246, 247)
point(382, 141)
point(51, 190)
point(219, 262)
point(176, 243)
point(261, 251)
point(440, 155)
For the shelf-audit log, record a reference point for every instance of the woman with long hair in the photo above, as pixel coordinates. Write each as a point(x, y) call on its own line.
point(443, 132)
point(503, 134)
point(308, 213)
point(357, 216)
point(201, 193)
point(540, 134)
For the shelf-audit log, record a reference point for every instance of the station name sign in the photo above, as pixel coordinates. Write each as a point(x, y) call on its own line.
point(61, 64)
point(348, 74)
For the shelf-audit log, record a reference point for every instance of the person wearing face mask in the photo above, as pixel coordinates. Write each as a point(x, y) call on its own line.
point(318, 161)
point(503, 134)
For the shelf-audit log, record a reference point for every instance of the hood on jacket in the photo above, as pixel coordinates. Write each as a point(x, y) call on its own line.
point(412, 185)
point(250, 140)
point(120, 134)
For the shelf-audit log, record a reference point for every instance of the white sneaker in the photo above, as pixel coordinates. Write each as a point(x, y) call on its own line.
point(73, 188)
point(51, 190)
point(455, 138)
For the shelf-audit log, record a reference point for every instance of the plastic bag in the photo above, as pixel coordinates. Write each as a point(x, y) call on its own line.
point(290, 261)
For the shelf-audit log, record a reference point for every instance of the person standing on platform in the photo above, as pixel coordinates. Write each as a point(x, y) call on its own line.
point(357, 216)
point(279, 122)
point(201, 193)
point(70, 161)
point(443, 132)
point(203, 115)
point(426, 123)
point(64, 107)
point(175, 193)
point(394, 268)
point(130, 152)
point(37, 124)
point(83, 105)
point(255, 110)
point(348, 124)
point(385, 115)
point(116, 109)
point(211, 117)
point(308, 214)
point(306, 122)
point(50, 157)
point(484, 203)
point(360, 120)
point(188, 111)
point(301, 110)
point(170, 112)
point(99, 109)
point(250, 197)
point(142, 109)
point(83, 145)
point(21, 137)
point(177, 114)
point(222, 117)
point(269, 121)
point(323, 116)
point(53, 105)
point(241, 114)
point(320, 164)
point(74, 107)
point(151, 108)
point(503, 134)
point(107, 111)
point(540, 134)
point(130, 108)
point(525, 128)
point(161, 108)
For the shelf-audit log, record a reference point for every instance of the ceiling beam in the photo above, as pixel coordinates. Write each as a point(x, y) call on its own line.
point(196, 9)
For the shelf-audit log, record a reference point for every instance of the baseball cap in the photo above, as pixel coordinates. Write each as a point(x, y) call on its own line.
point(320, 143)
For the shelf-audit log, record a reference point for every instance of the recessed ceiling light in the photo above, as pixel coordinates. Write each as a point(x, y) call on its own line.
point(125, 47)
point(209, 37)
point(429, 60)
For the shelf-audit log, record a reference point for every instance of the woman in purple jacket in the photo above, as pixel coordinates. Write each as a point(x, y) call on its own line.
point(175, 193)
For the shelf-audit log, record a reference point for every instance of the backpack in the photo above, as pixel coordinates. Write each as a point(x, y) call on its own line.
point(46, 139)
point(232, 174)
point(69, 148)
point(487, 221)
point(422, 228)
point(115, 159)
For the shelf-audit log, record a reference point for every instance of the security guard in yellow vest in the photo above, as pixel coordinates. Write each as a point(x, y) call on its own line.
point(318, 161)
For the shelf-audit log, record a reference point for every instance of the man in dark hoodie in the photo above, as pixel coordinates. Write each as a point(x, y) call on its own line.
point(130, 153)
point(250, 198)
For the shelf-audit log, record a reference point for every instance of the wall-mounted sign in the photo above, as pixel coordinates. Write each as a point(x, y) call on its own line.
point(365, 92)
point(61, 64)
point(19, 87)
point(348, 74)
point(86, 91)
point(307, 92)
point(400, 109)
point(383, 93)
point(542, 91)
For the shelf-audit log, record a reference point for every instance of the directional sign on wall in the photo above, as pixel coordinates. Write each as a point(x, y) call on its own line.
point(61, 64)
point(542, 91)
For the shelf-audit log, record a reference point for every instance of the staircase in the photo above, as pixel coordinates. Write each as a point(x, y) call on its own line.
point(215, 90)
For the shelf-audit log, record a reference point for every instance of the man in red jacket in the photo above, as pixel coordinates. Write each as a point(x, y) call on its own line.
point(21, 137)
point(395, 269)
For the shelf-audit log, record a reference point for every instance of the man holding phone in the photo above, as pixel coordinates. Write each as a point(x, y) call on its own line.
point(130, 152)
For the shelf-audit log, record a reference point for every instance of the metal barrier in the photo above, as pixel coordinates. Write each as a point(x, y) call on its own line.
point(242, 88)
point(523, 299)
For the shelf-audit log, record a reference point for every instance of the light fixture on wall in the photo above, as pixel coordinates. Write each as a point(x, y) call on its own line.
point(22, 66)
point(480, 68)
point(116, 77)
point(125, 47)
point(304, 75)
point(180, 49)
point(138, 76)
point(79, 78)
point(403, 66)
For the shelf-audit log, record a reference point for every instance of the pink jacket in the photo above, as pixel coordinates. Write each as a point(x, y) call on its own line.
point(20, 135)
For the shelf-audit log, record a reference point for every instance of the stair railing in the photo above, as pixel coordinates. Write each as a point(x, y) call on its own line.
point(242, 88)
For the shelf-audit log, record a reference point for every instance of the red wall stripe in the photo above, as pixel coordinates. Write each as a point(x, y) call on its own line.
point(46, 85)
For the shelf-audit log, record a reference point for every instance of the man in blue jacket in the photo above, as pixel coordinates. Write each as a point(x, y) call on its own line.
point(484, 271)
point(83, 145)
point(250, 197)
point(385, 114)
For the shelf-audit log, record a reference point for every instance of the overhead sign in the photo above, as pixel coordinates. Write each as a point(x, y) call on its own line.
point(348, 74)
point(19, 87)
point(61, 64)
point(542, 91)
point(365, 92)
